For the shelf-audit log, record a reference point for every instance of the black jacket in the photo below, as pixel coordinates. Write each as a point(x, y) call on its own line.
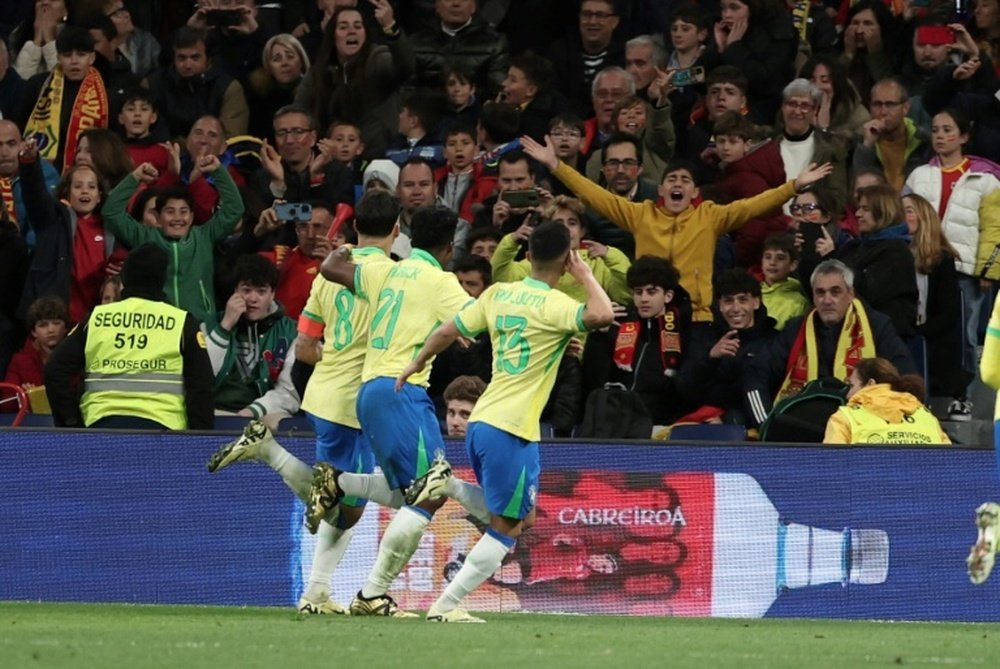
point(721, 382)
point(477, 48)
point(884, 276)
point(766, 371)
point(567, 64)
point(181, 101)
point(66, 364)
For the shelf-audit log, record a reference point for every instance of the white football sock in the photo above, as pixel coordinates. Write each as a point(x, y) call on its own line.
point(481, 563)
point(470, 496)
point(331, 543)
point(296, 474)
point(400, 540)
point(373, 487)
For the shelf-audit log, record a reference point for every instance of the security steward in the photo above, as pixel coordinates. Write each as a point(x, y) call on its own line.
point(142, 362)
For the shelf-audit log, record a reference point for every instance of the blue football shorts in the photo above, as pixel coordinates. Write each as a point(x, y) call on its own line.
point(506, 466)
point(344, 448)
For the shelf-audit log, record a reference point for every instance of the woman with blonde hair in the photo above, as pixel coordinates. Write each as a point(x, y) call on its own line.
point(883, 267)
point(285, 64)
point(939, 310)
point(883, 407)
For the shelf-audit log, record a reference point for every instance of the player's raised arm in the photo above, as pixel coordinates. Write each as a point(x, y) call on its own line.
point(597, 312)
point(337, 267)
point(439, 340)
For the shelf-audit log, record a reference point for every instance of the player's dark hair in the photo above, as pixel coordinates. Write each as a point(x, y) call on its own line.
point(653, 271)
point(376, 213)
point(471, 263)
point(734, 282)
point(782, 241)
point(433, 228)
point(255, 270)
point(548, 242)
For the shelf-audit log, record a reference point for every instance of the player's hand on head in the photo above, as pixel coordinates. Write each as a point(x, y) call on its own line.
point(578, 269)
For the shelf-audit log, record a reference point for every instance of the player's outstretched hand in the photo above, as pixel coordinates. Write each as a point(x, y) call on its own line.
point(543, 153)
point(812, 174)
point(413, 368)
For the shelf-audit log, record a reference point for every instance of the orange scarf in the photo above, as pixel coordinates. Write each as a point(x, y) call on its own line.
point(670, 342)
point(90, 110)
point(854, 343)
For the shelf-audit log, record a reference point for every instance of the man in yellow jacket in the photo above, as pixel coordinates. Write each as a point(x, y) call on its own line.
point(676, 230)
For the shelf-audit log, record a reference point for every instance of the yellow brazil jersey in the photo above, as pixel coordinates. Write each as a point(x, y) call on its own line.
point(408, 301)
point(335, 313)
point(530, 325)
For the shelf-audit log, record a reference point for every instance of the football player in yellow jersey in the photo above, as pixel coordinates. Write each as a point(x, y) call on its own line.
point(408, 300)
point(530, 325)
point(335, 315)
point(983, 553)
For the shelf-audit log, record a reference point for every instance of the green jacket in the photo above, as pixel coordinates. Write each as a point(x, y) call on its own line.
point(190, 280)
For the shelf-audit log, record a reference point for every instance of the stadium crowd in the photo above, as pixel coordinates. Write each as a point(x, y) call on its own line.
point(769, 190)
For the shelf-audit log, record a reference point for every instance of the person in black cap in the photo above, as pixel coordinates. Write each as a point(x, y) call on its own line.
point(142, 362)
point(58, 105)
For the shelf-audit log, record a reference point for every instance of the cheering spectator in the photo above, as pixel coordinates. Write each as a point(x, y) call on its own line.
point(11, 182)
point(357, 79)
point(275, 83)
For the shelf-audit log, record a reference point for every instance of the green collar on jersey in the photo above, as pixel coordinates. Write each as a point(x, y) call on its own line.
point(367, 251)
point(424, 256)
point(536, 283)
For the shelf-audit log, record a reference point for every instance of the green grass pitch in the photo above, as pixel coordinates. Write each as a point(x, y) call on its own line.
point(137, 637)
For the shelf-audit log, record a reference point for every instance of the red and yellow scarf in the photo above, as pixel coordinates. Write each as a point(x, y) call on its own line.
point(854, 343)
point(670, 342)
point(7, 197)
point(90, 110)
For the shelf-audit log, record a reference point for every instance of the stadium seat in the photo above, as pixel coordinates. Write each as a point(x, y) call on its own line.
point(708, 432)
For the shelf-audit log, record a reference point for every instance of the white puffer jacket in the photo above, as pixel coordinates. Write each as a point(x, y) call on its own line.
point(967, 217)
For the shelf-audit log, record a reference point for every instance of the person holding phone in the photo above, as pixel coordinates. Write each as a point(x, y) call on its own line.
point(517, 195)
point(815, 228)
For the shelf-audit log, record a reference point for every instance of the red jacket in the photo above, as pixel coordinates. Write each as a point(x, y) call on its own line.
point(297, 272)
point(754, 173)
point(25, 367)
point(480, 187)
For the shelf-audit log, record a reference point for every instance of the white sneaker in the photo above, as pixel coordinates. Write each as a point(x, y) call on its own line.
point(322, 605)
point(960, 410)
point(430, 485)
point(453, 616)
point(983, 554)
point(246, 447)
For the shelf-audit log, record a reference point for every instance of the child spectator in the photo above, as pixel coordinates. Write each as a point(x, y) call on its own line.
point(566, 131)
point(137, 117)
point(73, 249)
point(644, 351)
point(747, 171)
point(653, 128)
point(111, 289)
point(483, 242)
point(251, 347)
point(191, 272)
point(418, 119)
point(463, 106)
point(347, 150)
point(143, 208)
point(780, 291)
point(460, 399)
point(48, 321)
point(462, 183)
point(381, 174)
